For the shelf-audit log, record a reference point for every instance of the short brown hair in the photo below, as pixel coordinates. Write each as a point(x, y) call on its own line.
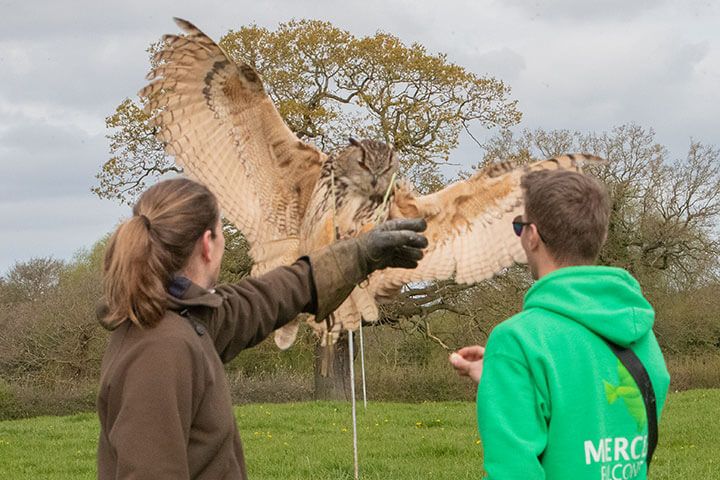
point(571, 212)
point(147, 250)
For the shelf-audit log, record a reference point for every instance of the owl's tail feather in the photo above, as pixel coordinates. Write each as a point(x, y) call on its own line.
point(346, 317)
point(365, 305)
point(285, 336)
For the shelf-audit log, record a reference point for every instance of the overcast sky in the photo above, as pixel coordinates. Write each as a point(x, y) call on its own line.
point(589, 66)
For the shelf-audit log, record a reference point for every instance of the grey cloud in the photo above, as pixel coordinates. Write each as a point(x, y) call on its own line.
point(503, 63)
point(57, 228)
point(43, 161)
point(78, 74)
point(592, 11)
point(679, 61)
point(74, 19)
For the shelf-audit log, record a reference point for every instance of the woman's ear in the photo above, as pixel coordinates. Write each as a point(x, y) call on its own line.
point(206, 241)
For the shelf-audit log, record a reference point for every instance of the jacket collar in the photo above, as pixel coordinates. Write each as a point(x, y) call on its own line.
point(183, 293)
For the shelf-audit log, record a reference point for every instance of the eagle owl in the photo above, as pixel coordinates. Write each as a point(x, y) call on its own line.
point(290, 199)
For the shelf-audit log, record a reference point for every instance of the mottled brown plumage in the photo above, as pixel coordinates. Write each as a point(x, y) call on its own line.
point(290, 199)
point(347, 201)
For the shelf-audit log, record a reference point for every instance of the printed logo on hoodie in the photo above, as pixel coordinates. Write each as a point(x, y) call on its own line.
point(628, 391)
point(621, 458)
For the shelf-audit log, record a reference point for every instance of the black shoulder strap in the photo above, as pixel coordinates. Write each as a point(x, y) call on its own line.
point(635, 367)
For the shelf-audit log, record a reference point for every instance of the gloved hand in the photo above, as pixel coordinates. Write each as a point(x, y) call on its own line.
point(393, 244)
point(340, 266)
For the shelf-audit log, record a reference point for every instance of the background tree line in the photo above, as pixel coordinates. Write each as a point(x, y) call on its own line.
point(328, 84)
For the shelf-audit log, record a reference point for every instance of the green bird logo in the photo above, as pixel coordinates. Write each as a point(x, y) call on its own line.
point(628, 391)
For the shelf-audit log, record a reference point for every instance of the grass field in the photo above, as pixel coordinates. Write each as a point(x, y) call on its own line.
point(314, 441)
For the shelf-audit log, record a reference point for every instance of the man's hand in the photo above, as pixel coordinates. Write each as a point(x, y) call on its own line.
point(468, 362)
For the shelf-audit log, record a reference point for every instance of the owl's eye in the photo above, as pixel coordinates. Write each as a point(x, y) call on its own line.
point(360, 158)
point(361, 162)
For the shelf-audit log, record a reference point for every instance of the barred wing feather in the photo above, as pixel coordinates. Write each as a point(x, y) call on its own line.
point(216, 119)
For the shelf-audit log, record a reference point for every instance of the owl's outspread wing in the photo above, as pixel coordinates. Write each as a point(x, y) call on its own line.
point(214, 117)
point(469, 225)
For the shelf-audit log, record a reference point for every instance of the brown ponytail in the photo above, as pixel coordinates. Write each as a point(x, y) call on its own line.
point(147, 250)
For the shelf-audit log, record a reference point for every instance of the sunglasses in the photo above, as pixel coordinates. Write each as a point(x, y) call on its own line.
point(518, 225)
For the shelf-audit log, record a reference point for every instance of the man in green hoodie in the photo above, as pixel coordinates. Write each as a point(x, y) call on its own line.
point(554, 402)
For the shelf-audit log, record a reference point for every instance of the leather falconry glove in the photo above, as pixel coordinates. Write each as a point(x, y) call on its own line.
point(339, 267)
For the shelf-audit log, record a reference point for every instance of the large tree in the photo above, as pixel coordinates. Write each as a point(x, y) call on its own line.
point(329, 84)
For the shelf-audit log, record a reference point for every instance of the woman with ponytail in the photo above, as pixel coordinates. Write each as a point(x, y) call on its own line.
point(164, 402)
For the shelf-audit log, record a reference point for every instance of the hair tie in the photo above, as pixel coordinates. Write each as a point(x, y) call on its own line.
point(145, 220)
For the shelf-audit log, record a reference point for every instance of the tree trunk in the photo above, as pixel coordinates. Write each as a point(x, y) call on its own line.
point(332, 371)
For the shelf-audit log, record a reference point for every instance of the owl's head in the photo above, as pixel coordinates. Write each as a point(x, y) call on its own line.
point(367, 166)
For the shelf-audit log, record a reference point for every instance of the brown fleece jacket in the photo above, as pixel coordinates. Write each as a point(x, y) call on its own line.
point(164, 401)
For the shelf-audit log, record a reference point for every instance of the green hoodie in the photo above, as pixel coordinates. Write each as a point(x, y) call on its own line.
point(553, 401)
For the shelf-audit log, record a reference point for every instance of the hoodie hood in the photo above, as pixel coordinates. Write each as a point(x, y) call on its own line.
point(606, 300)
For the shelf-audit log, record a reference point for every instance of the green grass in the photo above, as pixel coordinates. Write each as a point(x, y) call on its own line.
point(304, 441)
point(314, 441)
point(689, 433)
